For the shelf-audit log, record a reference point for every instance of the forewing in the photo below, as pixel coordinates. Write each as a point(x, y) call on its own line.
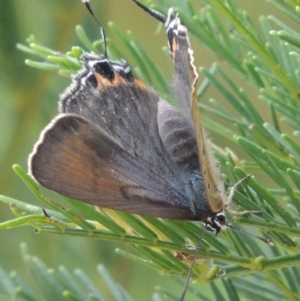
point(185, 84)
point(76, 159)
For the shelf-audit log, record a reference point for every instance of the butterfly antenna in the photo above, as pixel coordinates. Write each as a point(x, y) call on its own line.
point(267, 241)
point(155, 14)
point(89, 8)
point(189, 276)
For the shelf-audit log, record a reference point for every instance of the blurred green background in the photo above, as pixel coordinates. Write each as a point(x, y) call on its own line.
point(29, 101)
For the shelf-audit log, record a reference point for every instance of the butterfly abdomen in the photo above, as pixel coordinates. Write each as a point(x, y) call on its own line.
point(177, 136)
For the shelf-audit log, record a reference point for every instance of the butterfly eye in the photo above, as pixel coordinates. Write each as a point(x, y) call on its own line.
point(220, 219)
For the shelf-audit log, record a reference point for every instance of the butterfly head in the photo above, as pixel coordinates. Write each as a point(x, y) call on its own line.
point(216, 223)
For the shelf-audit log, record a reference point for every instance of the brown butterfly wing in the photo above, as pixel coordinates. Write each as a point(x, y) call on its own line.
point(76, 159)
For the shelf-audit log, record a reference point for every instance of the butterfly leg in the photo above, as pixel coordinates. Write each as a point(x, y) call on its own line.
point(230, 197)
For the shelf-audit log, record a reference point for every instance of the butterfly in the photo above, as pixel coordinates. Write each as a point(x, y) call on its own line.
point(116, 144)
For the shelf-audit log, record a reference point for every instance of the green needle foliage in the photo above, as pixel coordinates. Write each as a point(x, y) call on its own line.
point(265, 57)
point(56, 284)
